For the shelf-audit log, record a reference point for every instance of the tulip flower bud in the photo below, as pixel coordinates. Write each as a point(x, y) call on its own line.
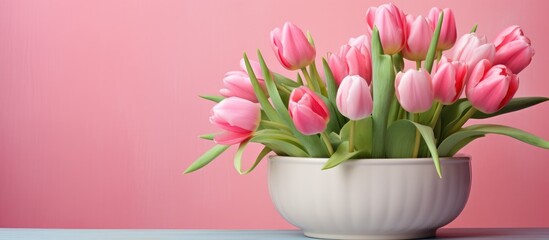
point(350, 61)
point(414, 90)
point(353, 99)
point(508, 35)
point(291, 47)
point(419, 38)
point(238, 83)
point(490, 88)
point(308, 112)
point(513, 49)
point(449, 80)
point(471, 49)
point(238, 117)
point(391, 24)
point(448, 31)
point(363, 44)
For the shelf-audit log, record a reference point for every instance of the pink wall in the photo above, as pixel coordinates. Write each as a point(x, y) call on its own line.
point(99, 111)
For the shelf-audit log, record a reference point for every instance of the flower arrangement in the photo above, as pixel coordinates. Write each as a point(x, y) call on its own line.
point(366, 103)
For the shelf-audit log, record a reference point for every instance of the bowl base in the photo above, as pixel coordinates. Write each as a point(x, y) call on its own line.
point(411, 235)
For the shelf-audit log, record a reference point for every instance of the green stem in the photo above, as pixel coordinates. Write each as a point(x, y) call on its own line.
point(310, 82)
point(352, 136)
point(462, 120)
point(326, 141)
point(418, 65)
point(417, 140)
point(438, 108)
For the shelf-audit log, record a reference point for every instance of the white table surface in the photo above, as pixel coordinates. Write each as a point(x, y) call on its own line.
point(172, 234)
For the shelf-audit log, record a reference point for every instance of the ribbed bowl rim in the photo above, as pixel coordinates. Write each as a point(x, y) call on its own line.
point(372, 161)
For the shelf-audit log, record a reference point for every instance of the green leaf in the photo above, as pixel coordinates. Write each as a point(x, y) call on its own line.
point(405, 130)
point(451, 114)
point(514, 105)
point(433, 46)
point(342, 154)
point(280, 79)
point(363, 136)
point(316, 77)
point(456, 141)
point(274, 125)
point(280, 146)
point(383, 92)
point(400, 140)
point(335, 139)
point(336, 119)
point(238, 158)
point(261, 97)
point(474, 29)
point(206, 158)
point(213, 98)
point(208, 136)
point(280, 135)
point(332, 93)
point(312, 144)
point(511, 132)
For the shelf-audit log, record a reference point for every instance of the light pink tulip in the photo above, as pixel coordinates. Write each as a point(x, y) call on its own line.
point(449, 81)
point(350, 61)
point(291, 47)
point(448, 30)
point(363, 44)
point(238, 117)
point(414, 90)
point(419, 38)
point(490, 88)
point(308, 112)
point(471, 49)
point(256, 67)
point(354, 100)
point(513, 49)
point(391, 24)
point(238, 83)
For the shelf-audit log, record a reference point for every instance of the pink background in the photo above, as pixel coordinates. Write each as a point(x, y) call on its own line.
point(99, 111)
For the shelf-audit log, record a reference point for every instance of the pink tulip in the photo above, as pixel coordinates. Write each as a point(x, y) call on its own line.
point(291, 47)
point(238, 117)
point(353, 99)
point(508, 35)
point(419, 38)
point(350, 61)
point(448, 31)
point(238, 83)
point(391, 24)
point(414, 90)
point(471, 49)
point(513, 49)
point(308, 112)
point(363, 44)
point(490, 88)
point(449, 80)
point(256, 67)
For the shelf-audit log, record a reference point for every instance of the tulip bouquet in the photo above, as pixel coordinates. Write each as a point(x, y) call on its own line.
point(367, 103)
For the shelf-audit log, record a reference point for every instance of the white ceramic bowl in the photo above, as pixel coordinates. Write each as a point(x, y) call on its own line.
point(369, 198)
